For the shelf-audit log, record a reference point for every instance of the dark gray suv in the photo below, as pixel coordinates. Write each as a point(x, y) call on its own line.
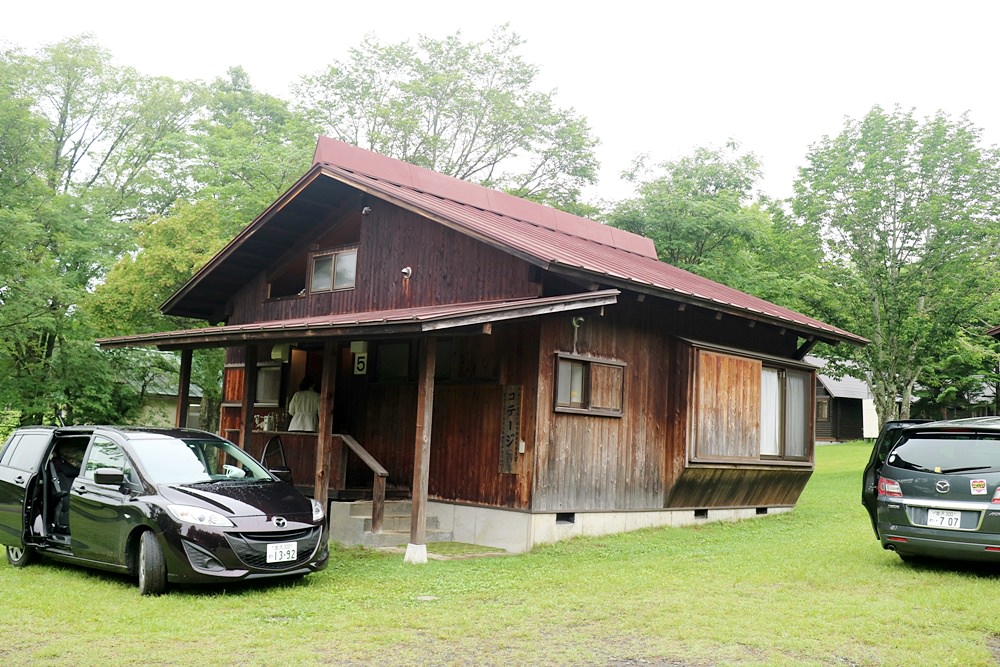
point(936, 492)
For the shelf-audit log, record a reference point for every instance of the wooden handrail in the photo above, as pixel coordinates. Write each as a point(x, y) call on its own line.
point(378, 482)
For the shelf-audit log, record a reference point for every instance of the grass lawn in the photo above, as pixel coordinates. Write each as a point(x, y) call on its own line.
point(811, 587)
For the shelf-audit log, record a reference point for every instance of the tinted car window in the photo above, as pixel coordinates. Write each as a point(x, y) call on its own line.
point(947, 454)
point(104, 454)
point(25, 453)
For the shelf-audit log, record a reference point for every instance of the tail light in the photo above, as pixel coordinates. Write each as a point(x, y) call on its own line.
point(889, 487)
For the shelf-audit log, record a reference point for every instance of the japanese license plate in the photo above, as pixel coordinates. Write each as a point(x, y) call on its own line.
point(282, 551)
point(944, 518)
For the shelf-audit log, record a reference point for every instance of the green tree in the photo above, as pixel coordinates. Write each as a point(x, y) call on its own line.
point(244, 150)
point(908, 210)
point(704, 215)
point(466, 109)
point(695, 208)
point(963, 377)
point(81, 145)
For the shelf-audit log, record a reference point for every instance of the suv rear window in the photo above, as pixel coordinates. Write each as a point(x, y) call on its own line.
point(947, 453)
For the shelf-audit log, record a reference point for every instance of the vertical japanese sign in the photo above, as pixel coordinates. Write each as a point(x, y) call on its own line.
point(510, 427)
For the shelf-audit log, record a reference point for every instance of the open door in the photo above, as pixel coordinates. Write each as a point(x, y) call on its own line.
point(887, 438)
point(21, 490)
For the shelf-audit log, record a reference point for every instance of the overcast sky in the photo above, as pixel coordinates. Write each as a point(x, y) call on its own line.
point(651, 77)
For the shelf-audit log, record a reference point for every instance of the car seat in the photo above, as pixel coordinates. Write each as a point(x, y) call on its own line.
point(59, 495)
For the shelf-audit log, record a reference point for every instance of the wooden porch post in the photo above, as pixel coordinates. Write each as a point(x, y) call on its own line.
point(183, 390)
point(324, 439)
point(249, 394)
point(416, 550)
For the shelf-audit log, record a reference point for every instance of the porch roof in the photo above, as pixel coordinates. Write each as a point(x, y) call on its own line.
point(444, 317)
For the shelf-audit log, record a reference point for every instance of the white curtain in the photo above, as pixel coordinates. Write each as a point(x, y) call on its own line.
point(797, 412)
point(770, 412)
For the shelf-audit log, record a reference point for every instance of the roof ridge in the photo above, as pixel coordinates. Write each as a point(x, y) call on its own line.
point(338, 154)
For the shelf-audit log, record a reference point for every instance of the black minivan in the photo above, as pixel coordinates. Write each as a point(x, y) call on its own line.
point(935, 491)
point(164, 505)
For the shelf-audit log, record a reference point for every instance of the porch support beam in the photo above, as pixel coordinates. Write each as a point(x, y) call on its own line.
point(324, 439)
point(184, 390)
point(249, 394)
point(416, 550)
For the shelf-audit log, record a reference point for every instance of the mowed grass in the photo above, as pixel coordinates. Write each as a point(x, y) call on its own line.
point(811, 587)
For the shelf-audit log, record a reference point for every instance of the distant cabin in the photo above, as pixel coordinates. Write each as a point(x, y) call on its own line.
point(845, 409)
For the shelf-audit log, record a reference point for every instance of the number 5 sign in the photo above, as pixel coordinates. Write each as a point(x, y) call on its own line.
point(360, 363)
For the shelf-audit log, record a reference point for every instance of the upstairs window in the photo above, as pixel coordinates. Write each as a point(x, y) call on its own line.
point(334, 270)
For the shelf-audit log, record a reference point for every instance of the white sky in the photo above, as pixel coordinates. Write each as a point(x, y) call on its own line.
point(651, 77)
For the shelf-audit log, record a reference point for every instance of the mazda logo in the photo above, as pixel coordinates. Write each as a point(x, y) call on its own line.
point(280, 521)
point(942, 486)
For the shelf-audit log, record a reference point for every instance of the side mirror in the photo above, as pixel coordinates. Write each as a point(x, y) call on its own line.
point(109, 476)
point(284, 473)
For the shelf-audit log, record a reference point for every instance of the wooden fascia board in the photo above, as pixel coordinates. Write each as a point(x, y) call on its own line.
point(664, 293)
point(205, 338)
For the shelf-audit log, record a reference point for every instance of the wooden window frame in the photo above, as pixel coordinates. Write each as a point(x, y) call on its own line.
point(585, 404)
point(751, 450)
point(334, 254)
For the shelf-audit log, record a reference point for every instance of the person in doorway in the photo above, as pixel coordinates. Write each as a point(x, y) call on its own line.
point(304, 407)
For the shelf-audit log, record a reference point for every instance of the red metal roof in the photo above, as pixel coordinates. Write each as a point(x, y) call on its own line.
point(331, 152)
point(571, 245)
point(554, 240)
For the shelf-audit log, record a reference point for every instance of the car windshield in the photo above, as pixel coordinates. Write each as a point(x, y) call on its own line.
point(947, 453)
point(170, 460)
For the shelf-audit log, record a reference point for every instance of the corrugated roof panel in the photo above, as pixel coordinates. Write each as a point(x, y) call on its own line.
point(558, 248)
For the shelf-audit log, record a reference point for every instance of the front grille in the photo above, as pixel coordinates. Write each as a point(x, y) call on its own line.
point(251, 548)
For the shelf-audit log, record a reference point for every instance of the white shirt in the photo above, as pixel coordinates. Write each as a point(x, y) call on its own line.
point(304, 408)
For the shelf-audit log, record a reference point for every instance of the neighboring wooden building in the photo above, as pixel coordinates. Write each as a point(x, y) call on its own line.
point(528, 374)
point(845, 409)
point(159, 402)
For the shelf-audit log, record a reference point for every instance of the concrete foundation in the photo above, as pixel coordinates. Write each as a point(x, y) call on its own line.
point(518, 532)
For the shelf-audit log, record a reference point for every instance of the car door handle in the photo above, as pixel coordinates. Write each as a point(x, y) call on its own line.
point(80, 489)
point(19, 480)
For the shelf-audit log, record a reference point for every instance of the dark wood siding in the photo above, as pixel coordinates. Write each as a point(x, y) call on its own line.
point(705, 486)
point(447, 267)
point(589, 462)
point(846, 415)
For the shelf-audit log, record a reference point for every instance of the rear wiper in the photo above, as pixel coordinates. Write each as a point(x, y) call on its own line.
point(966, 469)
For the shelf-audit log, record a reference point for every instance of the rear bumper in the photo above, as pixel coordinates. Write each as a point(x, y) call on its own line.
point(945, 544)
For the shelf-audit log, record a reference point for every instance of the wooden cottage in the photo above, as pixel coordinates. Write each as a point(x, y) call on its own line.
point(845, 409)
point(523, 375)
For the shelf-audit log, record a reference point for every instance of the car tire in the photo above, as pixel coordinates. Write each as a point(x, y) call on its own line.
point(152, 569)
point(20, 556)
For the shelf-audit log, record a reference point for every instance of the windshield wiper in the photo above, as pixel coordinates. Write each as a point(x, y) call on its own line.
point(966, 469)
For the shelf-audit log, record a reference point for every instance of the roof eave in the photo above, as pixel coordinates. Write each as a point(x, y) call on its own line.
point(385, 325)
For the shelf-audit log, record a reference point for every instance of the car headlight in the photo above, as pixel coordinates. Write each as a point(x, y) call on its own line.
point(317, 509)
point(198, 515)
